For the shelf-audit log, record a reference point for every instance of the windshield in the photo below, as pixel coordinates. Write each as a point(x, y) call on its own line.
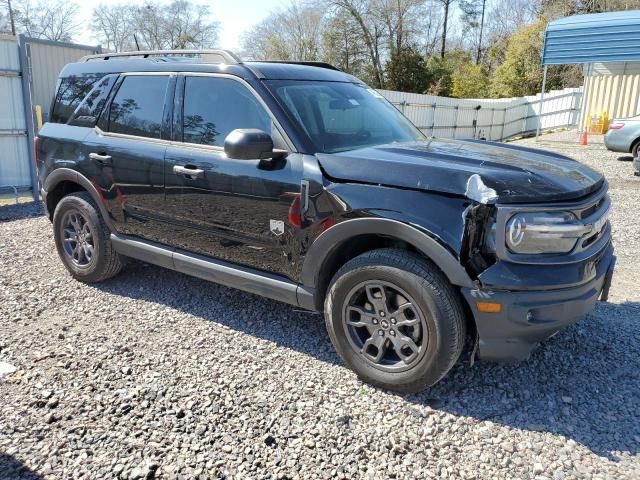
point(338, 116)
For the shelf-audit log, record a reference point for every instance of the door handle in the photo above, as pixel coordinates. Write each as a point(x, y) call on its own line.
point(100, 158)
point(189, 171)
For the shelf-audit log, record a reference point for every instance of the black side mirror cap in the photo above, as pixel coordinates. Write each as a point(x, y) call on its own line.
point(251, 144)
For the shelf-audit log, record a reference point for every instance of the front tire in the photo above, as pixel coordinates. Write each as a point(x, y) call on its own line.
point(395, 319)
point(82, 239)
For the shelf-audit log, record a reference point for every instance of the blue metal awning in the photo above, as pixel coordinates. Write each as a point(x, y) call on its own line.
point(598, 37)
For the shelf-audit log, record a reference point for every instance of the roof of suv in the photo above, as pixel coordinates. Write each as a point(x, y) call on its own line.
point(184, 61)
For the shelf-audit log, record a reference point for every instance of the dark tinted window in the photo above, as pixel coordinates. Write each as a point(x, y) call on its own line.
point(137, 107)
point(213, 107)
point(88, 111)
point(71, 91)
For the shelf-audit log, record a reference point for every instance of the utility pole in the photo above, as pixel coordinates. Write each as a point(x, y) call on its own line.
point(11, 20)
point(484, 4)
point(445, 4)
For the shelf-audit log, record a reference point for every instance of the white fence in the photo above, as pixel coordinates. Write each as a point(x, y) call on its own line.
point(492, 119)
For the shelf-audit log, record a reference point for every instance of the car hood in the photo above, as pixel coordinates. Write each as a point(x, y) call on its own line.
point(486, 172)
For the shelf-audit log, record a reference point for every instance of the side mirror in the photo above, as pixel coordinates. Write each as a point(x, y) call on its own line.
point(250, 144)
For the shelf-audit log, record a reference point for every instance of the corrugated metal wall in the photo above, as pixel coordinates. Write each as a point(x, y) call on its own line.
point(613, 88)
point(29, 69)
point(596, 37)
point(496, 119)
point(15, 170)
point(47, 59)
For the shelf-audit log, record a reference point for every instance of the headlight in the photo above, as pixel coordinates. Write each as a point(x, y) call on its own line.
point(544, 232)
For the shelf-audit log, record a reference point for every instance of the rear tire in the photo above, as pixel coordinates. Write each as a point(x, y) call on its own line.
point(395, 319)
point(82, 239)
point(635, 150)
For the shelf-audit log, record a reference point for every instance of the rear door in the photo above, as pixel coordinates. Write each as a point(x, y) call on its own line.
point(127, 151)
point(235, 210)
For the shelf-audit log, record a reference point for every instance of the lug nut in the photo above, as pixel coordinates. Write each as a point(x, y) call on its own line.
point(375, 321)
point(393, 320)
point(382, 314)
point(381, 333)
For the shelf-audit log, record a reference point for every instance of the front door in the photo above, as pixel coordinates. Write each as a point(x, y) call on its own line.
point(128, 153)
point(234, 210)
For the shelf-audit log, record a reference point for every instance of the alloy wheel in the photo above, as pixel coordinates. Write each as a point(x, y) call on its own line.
point(77, 238)
point(385, 326)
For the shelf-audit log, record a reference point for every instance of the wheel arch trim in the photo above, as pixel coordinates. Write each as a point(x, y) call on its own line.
point(66, 174)
point(331, 239)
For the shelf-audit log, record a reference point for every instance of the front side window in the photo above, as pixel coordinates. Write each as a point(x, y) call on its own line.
point(213, 107)
point(341, 116)
point(137, 107)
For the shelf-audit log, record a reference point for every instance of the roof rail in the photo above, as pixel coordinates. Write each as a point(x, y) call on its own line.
point(212, 55)
point(308, 63)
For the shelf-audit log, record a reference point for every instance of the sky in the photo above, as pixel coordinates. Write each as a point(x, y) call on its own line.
point(235, 17)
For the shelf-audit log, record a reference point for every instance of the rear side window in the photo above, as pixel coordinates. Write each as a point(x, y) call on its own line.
point(71, 91)
point(213, 107)
point(89, 109)
point(137, 107)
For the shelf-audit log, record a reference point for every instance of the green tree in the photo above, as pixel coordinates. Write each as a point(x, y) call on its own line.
point(440, 71)
point(407, 72)
point(469, 81)
point(520, 73)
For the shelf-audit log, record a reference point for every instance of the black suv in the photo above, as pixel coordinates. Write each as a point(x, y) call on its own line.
point(299, 183)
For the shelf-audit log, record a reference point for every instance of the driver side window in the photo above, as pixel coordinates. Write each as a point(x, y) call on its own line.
point(213, 107)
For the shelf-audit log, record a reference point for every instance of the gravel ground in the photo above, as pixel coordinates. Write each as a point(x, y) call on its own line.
point(155, 374)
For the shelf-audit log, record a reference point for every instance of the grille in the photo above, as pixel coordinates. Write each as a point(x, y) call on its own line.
point(595, 216)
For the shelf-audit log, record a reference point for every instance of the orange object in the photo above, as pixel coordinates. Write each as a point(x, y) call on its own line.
point(583, 137)
point(489, 307)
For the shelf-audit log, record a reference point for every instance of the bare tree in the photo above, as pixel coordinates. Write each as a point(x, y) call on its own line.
point(504, 16)
point(400, 19)
point(178, 24)
point(429, 29)
point(446, 4)
point(187, 25)
point(7, 21)
point(473, 13)
point(293, 33)
point(51, 19)
point(114, 26)
point(5, 24)
point(371, 31)
point(342, 45)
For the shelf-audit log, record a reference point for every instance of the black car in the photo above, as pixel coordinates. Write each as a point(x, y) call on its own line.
point(299, 183)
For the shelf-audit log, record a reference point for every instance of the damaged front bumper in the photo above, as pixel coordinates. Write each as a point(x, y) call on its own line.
point(528, 317)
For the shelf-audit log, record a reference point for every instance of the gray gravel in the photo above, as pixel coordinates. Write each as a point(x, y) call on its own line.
point(155, 374)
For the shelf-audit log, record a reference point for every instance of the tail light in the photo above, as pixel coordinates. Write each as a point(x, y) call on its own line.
point(616, 126)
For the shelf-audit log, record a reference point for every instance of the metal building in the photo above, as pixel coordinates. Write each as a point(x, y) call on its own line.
point(29, 69)
point(15, 172)
point(608, 44)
